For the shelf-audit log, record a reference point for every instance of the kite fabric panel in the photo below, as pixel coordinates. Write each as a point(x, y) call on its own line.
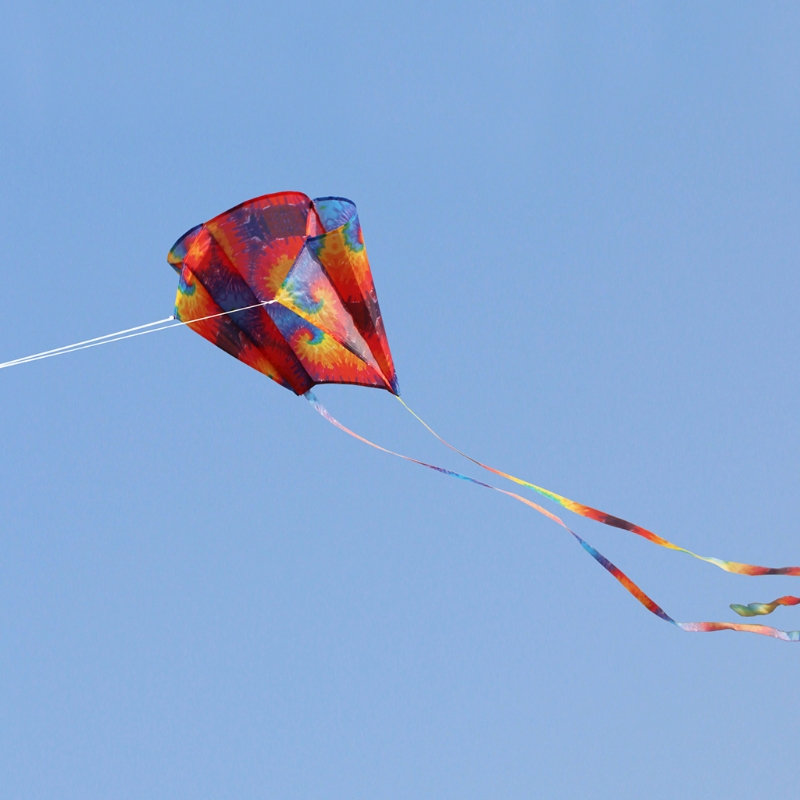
point(283, 284)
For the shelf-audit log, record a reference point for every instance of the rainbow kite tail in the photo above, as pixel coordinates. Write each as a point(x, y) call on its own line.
point(632, 588)
point(582, 510)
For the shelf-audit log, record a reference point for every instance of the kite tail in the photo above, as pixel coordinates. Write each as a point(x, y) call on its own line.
point(759, 609)
point(647, 602)
point(616, 522)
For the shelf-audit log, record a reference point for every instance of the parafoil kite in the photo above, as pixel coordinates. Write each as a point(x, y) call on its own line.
point(283, 284)
point(299, 269)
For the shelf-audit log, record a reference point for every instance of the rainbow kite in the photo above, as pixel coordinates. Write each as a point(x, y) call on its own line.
point(282, 283)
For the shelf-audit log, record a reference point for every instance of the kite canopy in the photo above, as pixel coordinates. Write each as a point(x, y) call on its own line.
point(298, 268)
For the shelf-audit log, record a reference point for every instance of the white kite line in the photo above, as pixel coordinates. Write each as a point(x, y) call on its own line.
point(128, 333)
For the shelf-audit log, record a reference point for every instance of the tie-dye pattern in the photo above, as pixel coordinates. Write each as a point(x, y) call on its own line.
point(305, 261)
point(759, 609)
point(342, 253)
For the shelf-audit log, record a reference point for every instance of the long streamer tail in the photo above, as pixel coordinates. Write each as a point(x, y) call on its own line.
point(647, 602)
point(610, 519)
point(759, 609)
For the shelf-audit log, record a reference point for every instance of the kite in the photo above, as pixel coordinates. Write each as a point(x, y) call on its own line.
point(282, 283)
point(299, 271)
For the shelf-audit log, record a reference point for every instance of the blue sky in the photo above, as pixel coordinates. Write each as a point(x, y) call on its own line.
point(582, 223)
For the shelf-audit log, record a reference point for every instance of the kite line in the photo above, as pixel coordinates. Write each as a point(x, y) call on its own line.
point(128, 333)
point(645, 600)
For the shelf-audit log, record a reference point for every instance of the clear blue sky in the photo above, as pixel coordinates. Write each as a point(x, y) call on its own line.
point(583, 225)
